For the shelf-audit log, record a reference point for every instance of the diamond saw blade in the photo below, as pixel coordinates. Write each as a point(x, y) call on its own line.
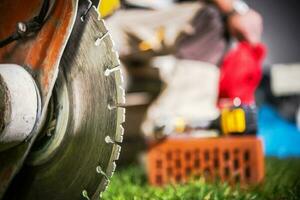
point(75, 155)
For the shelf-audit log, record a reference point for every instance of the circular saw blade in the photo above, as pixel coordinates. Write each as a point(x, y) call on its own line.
point(82, 161)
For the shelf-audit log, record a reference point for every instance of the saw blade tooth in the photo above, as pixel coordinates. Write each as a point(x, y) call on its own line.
point(94, 8)
point(101, 26)
point(117, 152)
point(121, 115)
point(120, 89)
point(104, 23)
point(104, 42)
point(112, 42)
point(120, 133)
point(121, 96)
point(111, 169)
point(105, 184)
point(119, 77)
point(118, 61)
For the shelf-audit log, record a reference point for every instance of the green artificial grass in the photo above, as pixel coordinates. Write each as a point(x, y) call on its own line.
point(282, 182)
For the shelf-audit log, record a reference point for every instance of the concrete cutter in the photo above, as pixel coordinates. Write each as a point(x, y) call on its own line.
point(60, 100)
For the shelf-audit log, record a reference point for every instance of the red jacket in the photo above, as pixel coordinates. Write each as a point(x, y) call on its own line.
point(241, 72)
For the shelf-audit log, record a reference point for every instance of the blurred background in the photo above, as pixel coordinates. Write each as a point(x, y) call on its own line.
point(277, 113)
point(167, 93)
point(280, 29)
point(280, 33)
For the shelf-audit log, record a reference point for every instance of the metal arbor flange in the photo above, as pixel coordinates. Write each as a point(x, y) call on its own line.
point(22, 105)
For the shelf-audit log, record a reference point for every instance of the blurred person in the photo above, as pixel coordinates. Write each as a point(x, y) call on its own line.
point(243, 22)
point(202, 31)
point(236, 18)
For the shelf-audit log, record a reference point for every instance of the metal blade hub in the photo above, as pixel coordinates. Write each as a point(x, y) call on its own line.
point(21, 105)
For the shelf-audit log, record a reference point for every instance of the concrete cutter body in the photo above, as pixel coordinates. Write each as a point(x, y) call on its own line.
point(60, 100)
